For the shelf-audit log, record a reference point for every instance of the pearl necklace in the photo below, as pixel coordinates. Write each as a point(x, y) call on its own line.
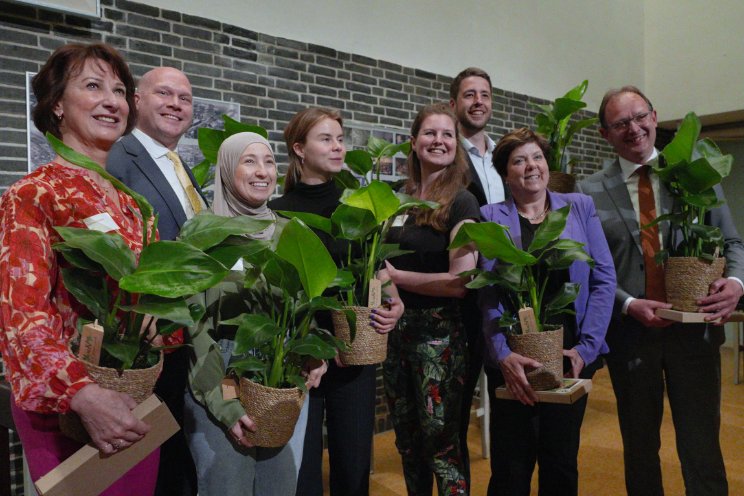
point(536, 217)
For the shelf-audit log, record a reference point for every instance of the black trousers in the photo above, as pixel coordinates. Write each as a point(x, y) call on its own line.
point(472, 323)
point(547, 434)
point(176, 473)
point(685, 360)
point(346, 398)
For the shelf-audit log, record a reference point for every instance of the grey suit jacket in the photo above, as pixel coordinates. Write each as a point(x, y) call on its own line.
point(621, 228)
point(129, 162)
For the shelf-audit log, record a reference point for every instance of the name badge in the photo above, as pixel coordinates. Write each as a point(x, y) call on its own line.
point(400, 220)
point(101, 222)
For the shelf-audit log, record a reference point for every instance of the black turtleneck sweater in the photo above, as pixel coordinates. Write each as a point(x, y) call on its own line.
point(320, 199)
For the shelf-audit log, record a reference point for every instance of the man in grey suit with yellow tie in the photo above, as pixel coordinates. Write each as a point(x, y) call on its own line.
point(146, 160)
point(647, 353)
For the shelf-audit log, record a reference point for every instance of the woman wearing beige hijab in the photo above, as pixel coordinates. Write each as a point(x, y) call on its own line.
point(226, 463)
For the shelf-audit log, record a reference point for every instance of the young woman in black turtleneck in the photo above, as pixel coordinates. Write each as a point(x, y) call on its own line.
point(346, 396)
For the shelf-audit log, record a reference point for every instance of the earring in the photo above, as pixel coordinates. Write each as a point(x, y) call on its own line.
point(59, 116)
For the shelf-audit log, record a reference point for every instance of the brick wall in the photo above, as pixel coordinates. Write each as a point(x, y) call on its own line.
point(271, 78)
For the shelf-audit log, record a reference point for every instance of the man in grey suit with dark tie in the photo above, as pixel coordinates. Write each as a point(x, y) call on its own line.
point(649, 354)
point(146, 160)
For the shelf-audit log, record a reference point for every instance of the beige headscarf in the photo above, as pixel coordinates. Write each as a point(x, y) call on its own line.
point(227, 201)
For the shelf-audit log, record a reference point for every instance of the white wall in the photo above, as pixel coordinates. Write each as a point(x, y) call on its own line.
point(686, 54)
point(536, 47)
point(694, 56)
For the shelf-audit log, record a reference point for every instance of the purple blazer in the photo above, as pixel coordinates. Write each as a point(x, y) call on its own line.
point(597, 291)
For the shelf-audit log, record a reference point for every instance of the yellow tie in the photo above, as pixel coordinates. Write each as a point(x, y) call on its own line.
point(185, 181)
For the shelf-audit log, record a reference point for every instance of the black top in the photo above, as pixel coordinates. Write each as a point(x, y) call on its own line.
point(320, 199)
point(430, 248)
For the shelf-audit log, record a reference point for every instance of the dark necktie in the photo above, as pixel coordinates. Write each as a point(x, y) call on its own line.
point(650, 237)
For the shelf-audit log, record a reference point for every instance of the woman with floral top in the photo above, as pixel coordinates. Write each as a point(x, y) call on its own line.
point(85, 96)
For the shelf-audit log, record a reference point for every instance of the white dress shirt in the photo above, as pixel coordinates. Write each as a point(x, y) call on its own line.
point(493, 186)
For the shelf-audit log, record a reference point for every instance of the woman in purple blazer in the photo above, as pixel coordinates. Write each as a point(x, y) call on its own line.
point(525, 431)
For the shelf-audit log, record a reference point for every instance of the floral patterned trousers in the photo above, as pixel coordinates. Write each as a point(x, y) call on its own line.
point(424, 375)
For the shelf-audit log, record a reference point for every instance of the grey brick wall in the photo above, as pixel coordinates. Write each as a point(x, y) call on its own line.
point(271, 77)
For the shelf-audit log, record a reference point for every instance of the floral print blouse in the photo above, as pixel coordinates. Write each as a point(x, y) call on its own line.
point(37, 315)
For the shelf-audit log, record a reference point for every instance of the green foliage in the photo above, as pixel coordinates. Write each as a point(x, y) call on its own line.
point(690, 168)
point(125, 294)
point(283, 287)
point(525, 273)
point(554, 122)
point(210, 141)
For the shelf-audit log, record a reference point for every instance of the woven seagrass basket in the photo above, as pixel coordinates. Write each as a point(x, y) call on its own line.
point(369, 347)
point(137, 383)
point(547, 348)
point(275, 412)
point(688, 278)
point(560, 182)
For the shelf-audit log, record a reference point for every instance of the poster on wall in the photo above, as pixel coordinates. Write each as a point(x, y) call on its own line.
point(87, 8)
point(207, 113)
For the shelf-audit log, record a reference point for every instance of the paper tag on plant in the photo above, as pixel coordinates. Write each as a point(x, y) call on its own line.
point(91, 341)
point(400, 220)
point(375, 293)
point(527, 320)
point(229, 388)
point(101, 222)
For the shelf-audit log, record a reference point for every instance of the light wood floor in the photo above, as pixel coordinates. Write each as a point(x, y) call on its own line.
point(600, 456)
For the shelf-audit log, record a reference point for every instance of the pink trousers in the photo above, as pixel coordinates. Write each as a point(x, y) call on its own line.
point(46, 447)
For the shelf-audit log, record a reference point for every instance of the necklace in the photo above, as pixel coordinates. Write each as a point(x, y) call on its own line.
point(536, 217)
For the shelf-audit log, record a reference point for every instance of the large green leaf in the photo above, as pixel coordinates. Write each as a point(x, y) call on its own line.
point(577, 92)
point(175, 310)
point(565, 107)
point(201, 172)
point(352, 223)
point(302, 248)
point(88, 289)
point(282, 274)
point(344, 179)
point(314, 221)
point(77, 258)
point(564, 258)
point(698, 176)
point(234, 127)
point(377, 197)
point(209, 142)
point(107, 249)
point(408, 201)
point(314, 346)
point(206, 230)
point(550, 229)
point(124, 351)
point(235, 247)
point(564, 297)
point(253, 331)
point(682, 145)
point(492, 241)
point(173, 269)
point(359, 161)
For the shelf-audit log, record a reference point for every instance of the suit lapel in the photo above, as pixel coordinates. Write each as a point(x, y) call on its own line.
point(150, 171)
point(617, 191)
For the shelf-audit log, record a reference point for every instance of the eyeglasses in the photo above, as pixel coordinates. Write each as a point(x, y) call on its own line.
point(624, 124)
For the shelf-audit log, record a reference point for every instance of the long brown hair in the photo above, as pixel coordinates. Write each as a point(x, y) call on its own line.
point(446, 186)
point(296, 132)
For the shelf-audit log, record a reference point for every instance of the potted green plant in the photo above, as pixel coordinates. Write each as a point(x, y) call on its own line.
point(691, 168)
point(134, 300)
point(554, 122)
point(524, 276)
point(283, 287)
point(363, 218)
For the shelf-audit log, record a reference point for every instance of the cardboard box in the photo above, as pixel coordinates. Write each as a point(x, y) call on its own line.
point(87, 472)
point(569, 392)
point(684, 317)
